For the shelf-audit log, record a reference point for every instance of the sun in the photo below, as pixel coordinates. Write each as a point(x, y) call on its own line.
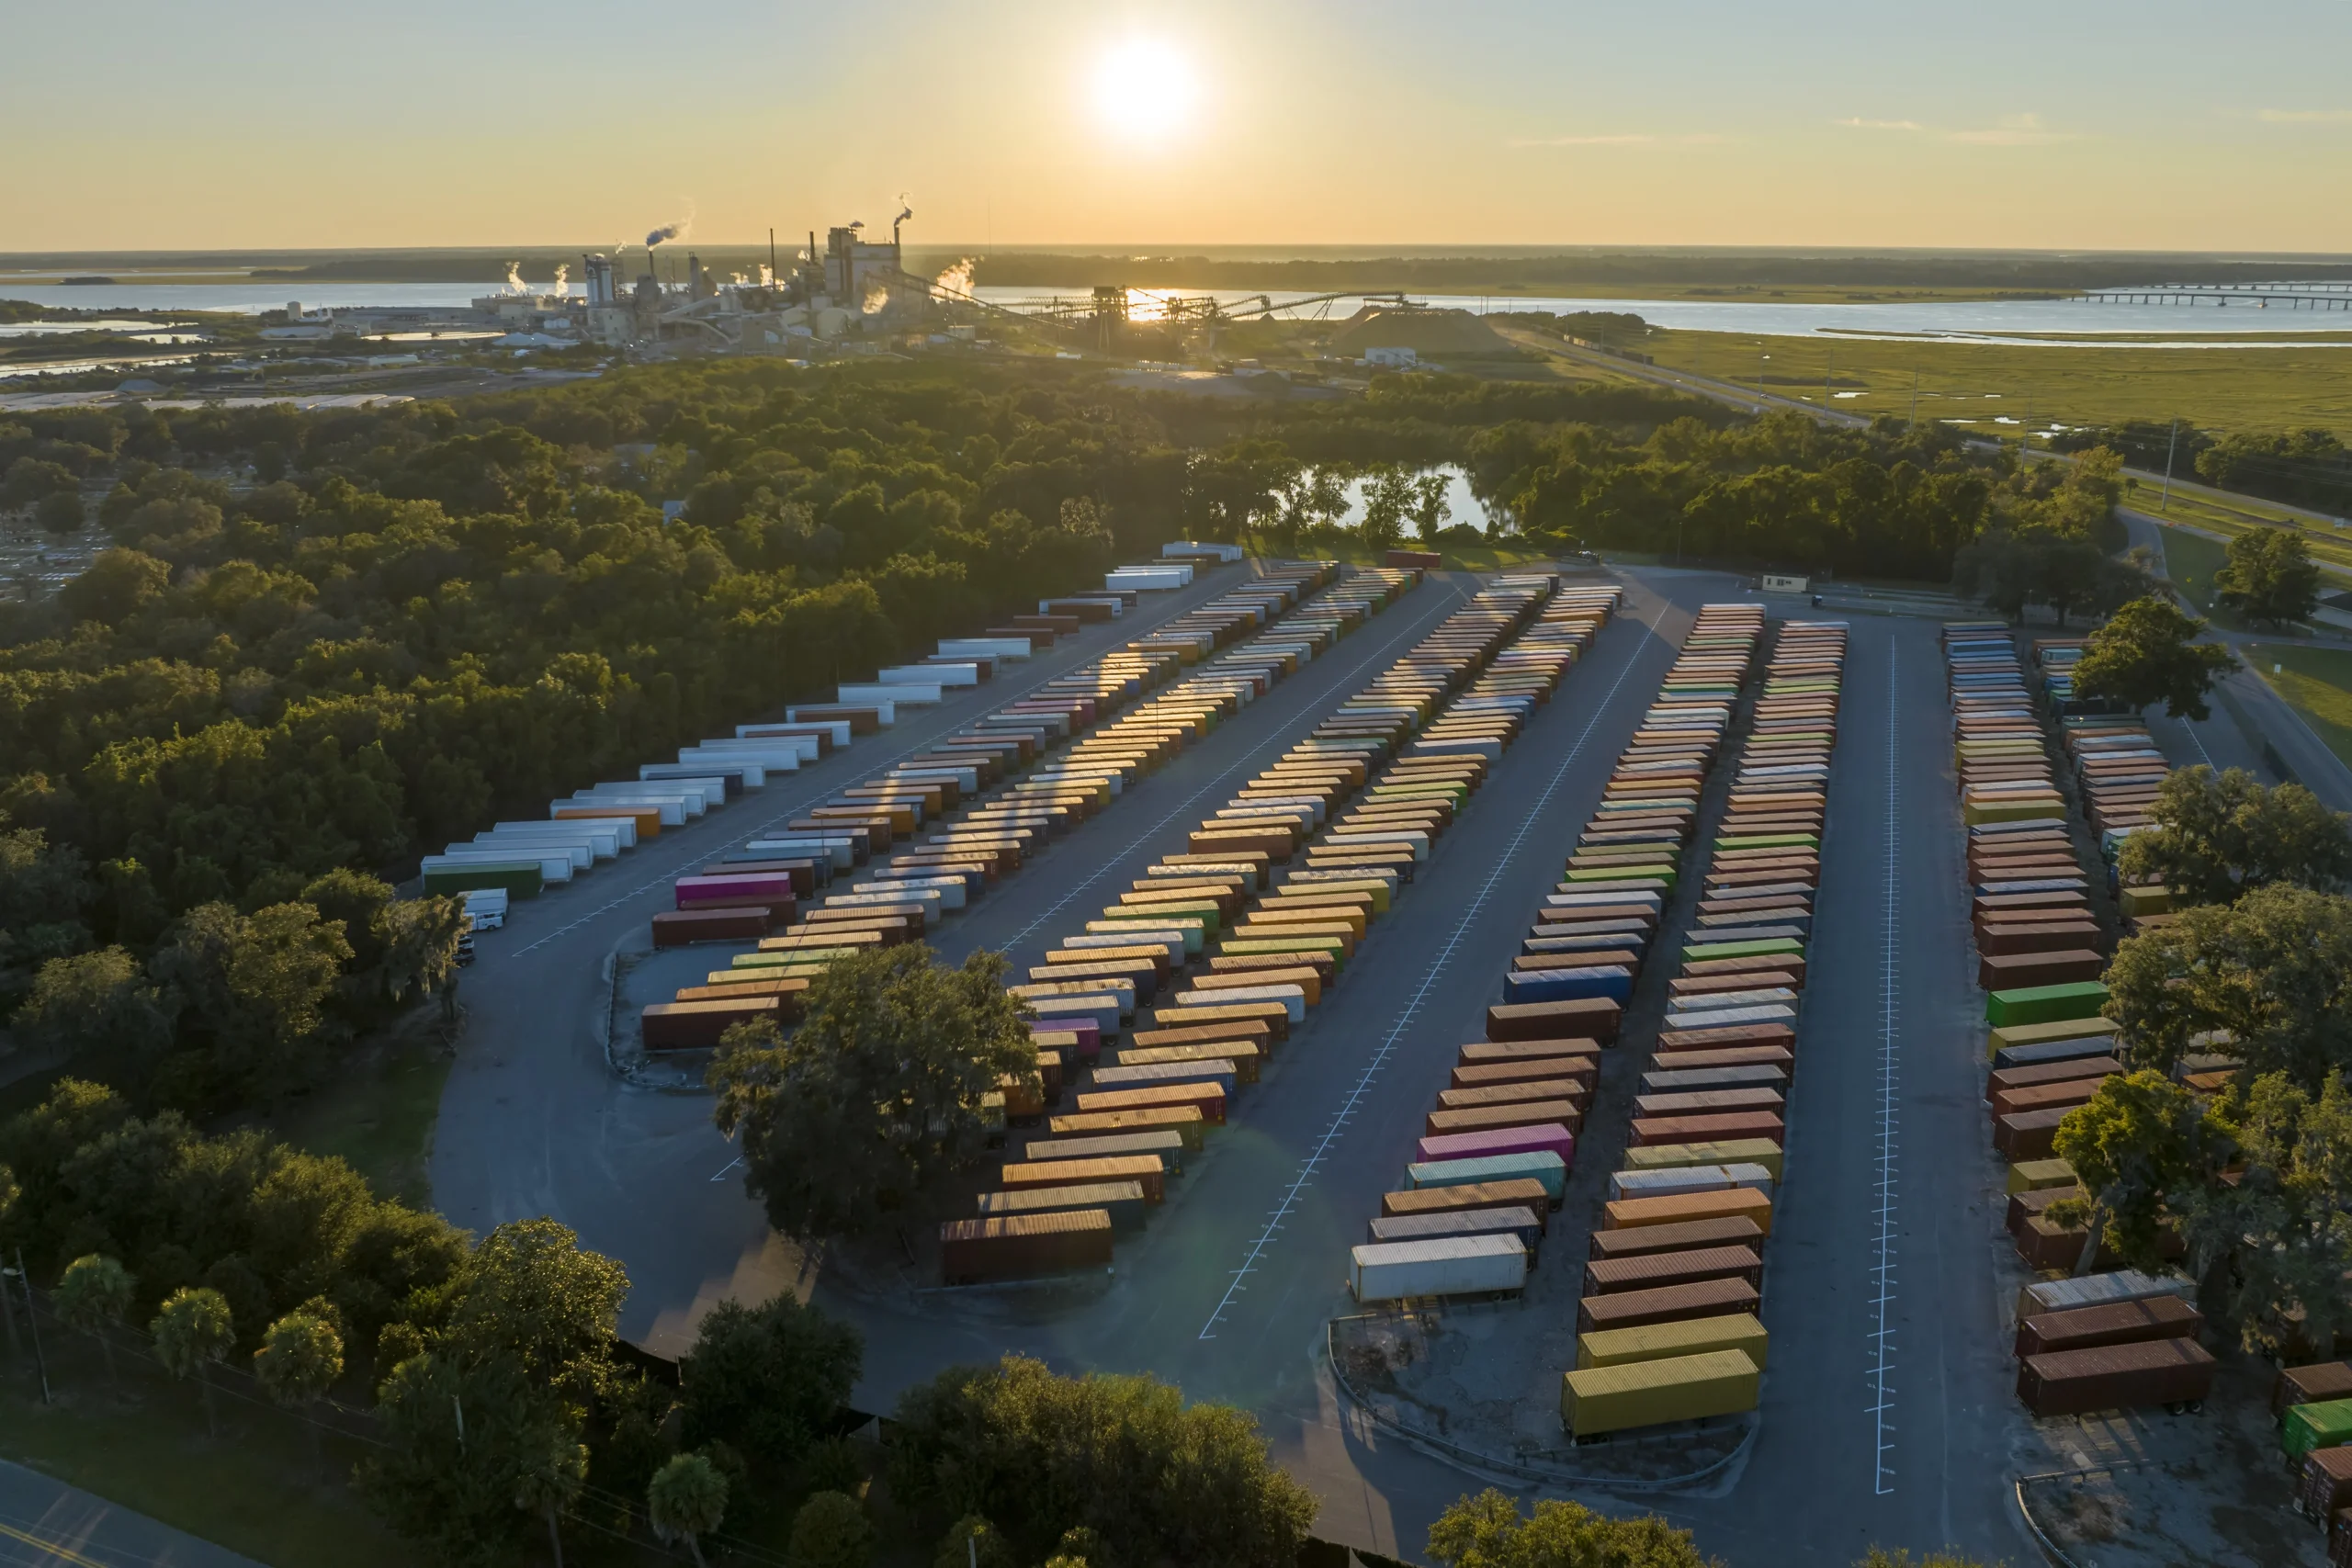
point(1144, 90)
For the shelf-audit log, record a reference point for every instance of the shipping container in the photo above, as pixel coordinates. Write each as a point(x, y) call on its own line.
point(2118, 1322)
point(1654, 1392)
point(1686, 1337)
point(1441, 1266)
point(1024, 1246)
point(2173, 1373)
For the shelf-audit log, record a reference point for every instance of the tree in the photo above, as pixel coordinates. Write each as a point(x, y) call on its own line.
point(2269, 576)
point(878, 1093)
point(1388, 498)
point(687, 1500)
point(1880, 1557)
point(1488, 1531)
point(2146, 654)
point(768, 1379)
point(9, 1193)
point(2134, 1144)
point(193, 1333)
point(831, 1531)
point(45, 890)
point(300, 1359)
point(93, 1294)
point(1430, 508)
point(60, 511)
point(97, 1008)
point(972, 1540)
point(1123, 1456)
point(2211, 838)
point(549, 1482)
point(532, 1296)
point(2274, 970)
point(2271, 1248)
point(255, 985)
point(459, 1439)
point(114, 586)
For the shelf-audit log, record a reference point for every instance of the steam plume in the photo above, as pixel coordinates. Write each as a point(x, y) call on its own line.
point(958, 277)
point(563, 270)
point(514, 284)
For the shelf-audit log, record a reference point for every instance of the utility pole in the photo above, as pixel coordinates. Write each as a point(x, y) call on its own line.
point(32, 1322)
point(1915, 397)
point(1829, 373)
point(2172, 445)
point(2024, 437)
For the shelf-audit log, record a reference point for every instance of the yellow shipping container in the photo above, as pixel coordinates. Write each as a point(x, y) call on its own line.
point(2024, 811)
point(2144, 900)
point(1651, 1394)
point(1741, 1331)
point(2033, 1175)
point(2005, 1035)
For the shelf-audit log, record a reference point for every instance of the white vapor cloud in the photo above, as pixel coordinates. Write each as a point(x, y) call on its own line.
point(2306, 116)
point(1859, 124)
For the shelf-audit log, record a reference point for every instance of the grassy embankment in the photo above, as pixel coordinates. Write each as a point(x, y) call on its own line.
point(1971, 386)
point(2316, 682)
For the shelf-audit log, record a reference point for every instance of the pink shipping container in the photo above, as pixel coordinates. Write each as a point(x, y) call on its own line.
point(1551, 1136)
point(762, 887)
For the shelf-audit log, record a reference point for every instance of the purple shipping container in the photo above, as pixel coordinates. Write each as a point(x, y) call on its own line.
point(1088, 1032)
point(1549, 1135)
point(754, 888)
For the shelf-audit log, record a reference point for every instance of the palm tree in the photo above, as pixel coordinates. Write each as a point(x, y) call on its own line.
point(92, 1295)
point(192, 1332)
point(300, 1358)
point(548, 1484)
point(686, 1501)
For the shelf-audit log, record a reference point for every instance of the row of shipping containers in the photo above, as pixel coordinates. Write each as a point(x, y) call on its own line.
point(2121, 1339)
point(2118, 1338)
point(519, 859)
point(1218, 953)
point(884, 861)
point(1670, 1323)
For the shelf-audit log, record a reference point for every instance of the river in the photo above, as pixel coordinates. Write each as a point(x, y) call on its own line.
point(2203, 325)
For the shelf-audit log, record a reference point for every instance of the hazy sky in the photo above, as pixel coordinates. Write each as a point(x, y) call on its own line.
point(273, 123)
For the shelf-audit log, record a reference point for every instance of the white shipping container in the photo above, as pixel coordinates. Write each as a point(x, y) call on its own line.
point(883, 714)
point(839, 853)
point(836, 729)
point(1293, 997)
point(485, 906)
point(622, 830)
point(881, 694)
point(2095, 1289)
point(1441, 1266)
point(799, 751)
point(552, 867)
point(948, 676)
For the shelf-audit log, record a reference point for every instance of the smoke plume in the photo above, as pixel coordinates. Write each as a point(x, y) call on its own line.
point(669, 232)
point(958, 277)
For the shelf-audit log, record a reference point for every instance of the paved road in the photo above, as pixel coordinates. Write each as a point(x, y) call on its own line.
point(2221, 741)
point(47, 1524)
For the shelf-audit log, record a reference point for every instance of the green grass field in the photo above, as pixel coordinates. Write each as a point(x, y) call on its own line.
point(1974, 385)
point(2316, 682)
point(378, 1117)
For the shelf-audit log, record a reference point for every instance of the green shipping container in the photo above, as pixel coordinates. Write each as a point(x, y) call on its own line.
point(2044, 1004)
point(1744, 949)
point(2326, 1424)
point(1769, 841)
point(1651, 1394)
point(520, 878)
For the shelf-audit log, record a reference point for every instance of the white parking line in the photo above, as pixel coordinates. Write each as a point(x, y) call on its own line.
point(1882, 1338)
point(1404, 1019)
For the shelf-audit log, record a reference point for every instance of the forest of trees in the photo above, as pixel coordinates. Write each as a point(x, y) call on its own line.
point(2308, 468)
point(325, 643)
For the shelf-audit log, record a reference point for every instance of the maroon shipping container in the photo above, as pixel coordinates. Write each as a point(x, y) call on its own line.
point(2028, 1134)
point(2040, 936)
point(2111, 1323)
point(677, 928)
point(1652, 1270)
point(1568, 1113)
point(1021, 1247)
point(2328, 1482)
point(2339, 1541)
point(1594, 1018)
point(2311, 1386)
point(688, 1026)
point(1409, 561)
point(1668, 1303)
point(2008, 1078)
point(2154, 1371)
point(1735, 1035)
point(1687, 1235)
point(2013, 971)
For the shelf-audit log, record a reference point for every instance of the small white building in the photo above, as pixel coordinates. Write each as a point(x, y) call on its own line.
point(1394, 356)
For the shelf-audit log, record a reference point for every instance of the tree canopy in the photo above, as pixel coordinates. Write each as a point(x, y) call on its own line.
point(1154, 1478)
point(767, 1380)
point(878, 1093)
point(2211, 837)
point(2274, 971)
point(2269, 576)
point(1488, 1531)
point(2147, 653)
